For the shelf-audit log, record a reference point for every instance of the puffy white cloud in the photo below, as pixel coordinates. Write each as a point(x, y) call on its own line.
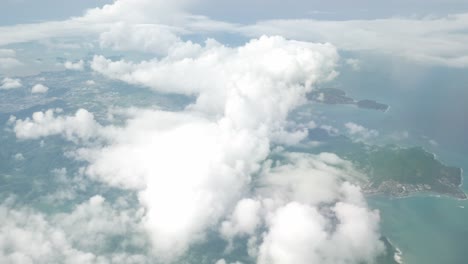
point(222, 261)
point(138, 11)
point(39, 88)
point(313, 212)
point(90, 82)
point(213, 148)
point(10, 83)
point(77, 66)
point(193, 169)
point(152, 38)
point(245, 219)
point(28, 236)
point(296, 230)
point(251, 72)
point(79, 126)
point(300, 173)
point(187, 169)
point(103, 19)
point(360, 132)
point(299, 233)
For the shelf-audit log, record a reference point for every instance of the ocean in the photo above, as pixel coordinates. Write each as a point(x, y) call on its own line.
point(429, 109)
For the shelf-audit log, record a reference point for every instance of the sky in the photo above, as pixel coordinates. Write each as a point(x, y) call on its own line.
point(30, 11)
point(207, 168)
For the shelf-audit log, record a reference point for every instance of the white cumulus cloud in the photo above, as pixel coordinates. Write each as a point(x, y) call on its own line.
point(314, 208)
point(28, 236)
point(39, 88)
point(10, 83)
point(79, 126)
point(197, 170)
point(360, 132)
point(76, 66)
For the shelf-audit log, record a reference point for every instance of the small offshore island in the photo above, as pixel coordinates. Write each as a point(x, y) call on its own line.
point(337, 96)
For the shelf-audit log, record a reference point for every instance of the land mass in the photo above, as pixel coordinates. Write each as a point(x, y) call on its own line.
point(337, 96)
point(403, 171)
point(394, 170)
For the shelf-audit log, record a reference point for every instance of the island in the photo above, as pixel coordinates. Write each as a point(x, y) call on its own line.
point(403, 171)
point(391, 169)
point(337, 96)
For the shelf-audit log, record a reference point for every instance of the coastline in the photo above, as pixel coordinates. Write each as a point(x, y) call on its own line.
point(415, 194)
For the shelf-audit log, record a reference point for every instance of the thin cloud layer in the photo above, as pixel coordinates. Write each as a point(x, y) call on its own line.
point(429, 40)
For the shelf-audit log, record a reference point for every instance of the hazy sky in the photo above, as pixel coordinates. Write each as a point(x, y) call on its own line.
point(28, 11)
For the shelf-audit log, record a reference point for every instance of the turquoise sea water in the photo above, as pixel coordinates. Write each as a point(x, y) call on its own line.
point(426, 229)
point(429, 105)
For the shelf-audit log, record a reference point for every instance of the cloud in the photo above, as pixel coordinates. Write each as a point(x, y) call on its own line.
point(291, 180)
point(152, 26)
point(42, 124)
point(191, 168)
point(7, 53)
point(18, 157)
point(298, 234)
point(28, 236)
point(39, 88)
point(209, 167)
point(194, 171)
point(215, 71)
point(90, 82)
point(360, 132)
point(10, 83)
point(428, 40)
point(100, 20)
point(330, 129)
point(8, 59)
point(139, 11)
point(244, 220)
point(355, 64)
point(8, 63)
point(77, 66)
point(318, 226)
point(151, 38)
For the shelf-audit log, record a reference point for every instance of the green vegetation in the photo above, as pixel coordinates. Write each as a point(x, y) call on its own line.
point(394, 170)
point(337, 96)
